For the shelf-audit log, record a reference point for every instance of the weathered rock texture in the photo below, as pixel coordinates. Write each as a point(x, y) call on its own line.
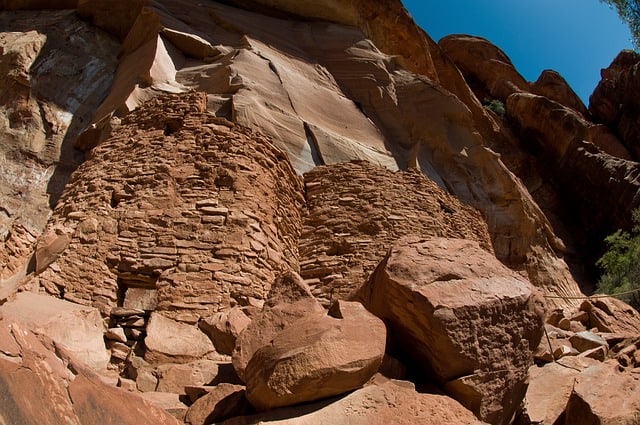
point(593, 175)
point(381, 402)
point(41, 383)
point(614, 102)
point(288, 301)
point(549, 390)
point(316, 357)
point(549, 143)
point(77, 328)
point(306, 92)
point(193, 122)
point(464, 318)
point(176, 213)
point(595, 398)
point(54, 71)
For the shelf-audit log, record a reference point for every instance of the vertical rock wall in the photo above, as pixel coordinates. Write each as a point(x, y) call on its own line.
point(54, 72)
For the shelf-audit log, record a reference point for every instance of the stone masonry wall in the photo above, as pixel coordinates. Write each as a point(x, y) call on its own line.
point(179, 211)
point(356, 210)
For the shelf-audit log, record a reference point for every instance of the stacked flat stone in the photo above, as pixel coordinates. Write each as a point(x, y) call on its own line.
point(357, 210)
point(177, 212)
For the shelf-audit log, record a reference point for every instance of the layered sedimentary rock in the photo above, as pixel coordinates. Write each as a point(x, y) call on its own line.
point(550, 139)
point(306, 91)
point(42, 383)
point(594, 176)
point(55, 70)
point(178, 213)
point(614, 102)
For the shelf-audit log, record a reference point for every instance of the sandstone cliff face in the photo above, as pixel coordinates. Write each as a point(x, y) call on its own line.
point(169, 167)
point(613, 102)
point(306, 92)
point(566, 157)
point(54, 71)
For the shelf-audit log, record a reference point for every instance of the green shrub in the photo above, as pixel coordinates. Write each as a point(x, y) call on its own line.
point(494, 105)
point(621, 263)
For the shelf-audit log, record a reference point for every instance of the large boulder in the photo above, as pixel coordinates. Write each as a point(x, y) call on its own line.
point(288, 300)
point(53, 317)
point(219, 403)
point(471, 322)
point(381, 402)
point(224, 327)
point(316, 357)
point(174, 342)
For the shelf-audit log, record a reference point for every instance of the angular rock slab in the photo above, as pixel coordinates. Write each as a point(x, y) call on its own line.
point(317, 357)
point(39, 387)
point(380, 403)
point(174, 342)
point(79, 328)
point(612, 315)
point(549, 389)
point(221, 402)
point(456, 309)
point(266, 325)
point(604, 395)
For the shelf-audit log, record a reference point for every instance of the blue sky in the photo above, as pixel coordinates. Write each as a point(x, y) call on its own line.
point(574, 37)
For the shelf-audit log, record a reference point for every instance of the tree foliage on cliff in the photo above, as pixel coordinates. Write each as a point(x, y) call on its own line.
point(629, 11)
point(621, 263)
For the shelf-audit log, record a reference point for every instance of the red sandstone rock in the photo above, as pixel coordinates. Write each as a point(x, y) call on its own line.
point(54, 71)
point(485, 63)
point(221, 402)
point(604, 395)
point(472, 322)
point(594, 177)
point(381, 402)
point(78, 328)
point(37, 387)
point(340, 248)
point(551, 85)
point(177, 216)
point(614, 101)
point(550, 388)
point(264, 327)
point(224, 328)
point(612, 315)
point(170, 341)
point(173, 378)
point(316, 357)
point(131, 227)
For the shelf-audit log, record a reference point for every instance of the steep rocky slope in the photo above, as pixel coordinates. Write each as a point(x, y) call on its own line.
point(194, 184)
